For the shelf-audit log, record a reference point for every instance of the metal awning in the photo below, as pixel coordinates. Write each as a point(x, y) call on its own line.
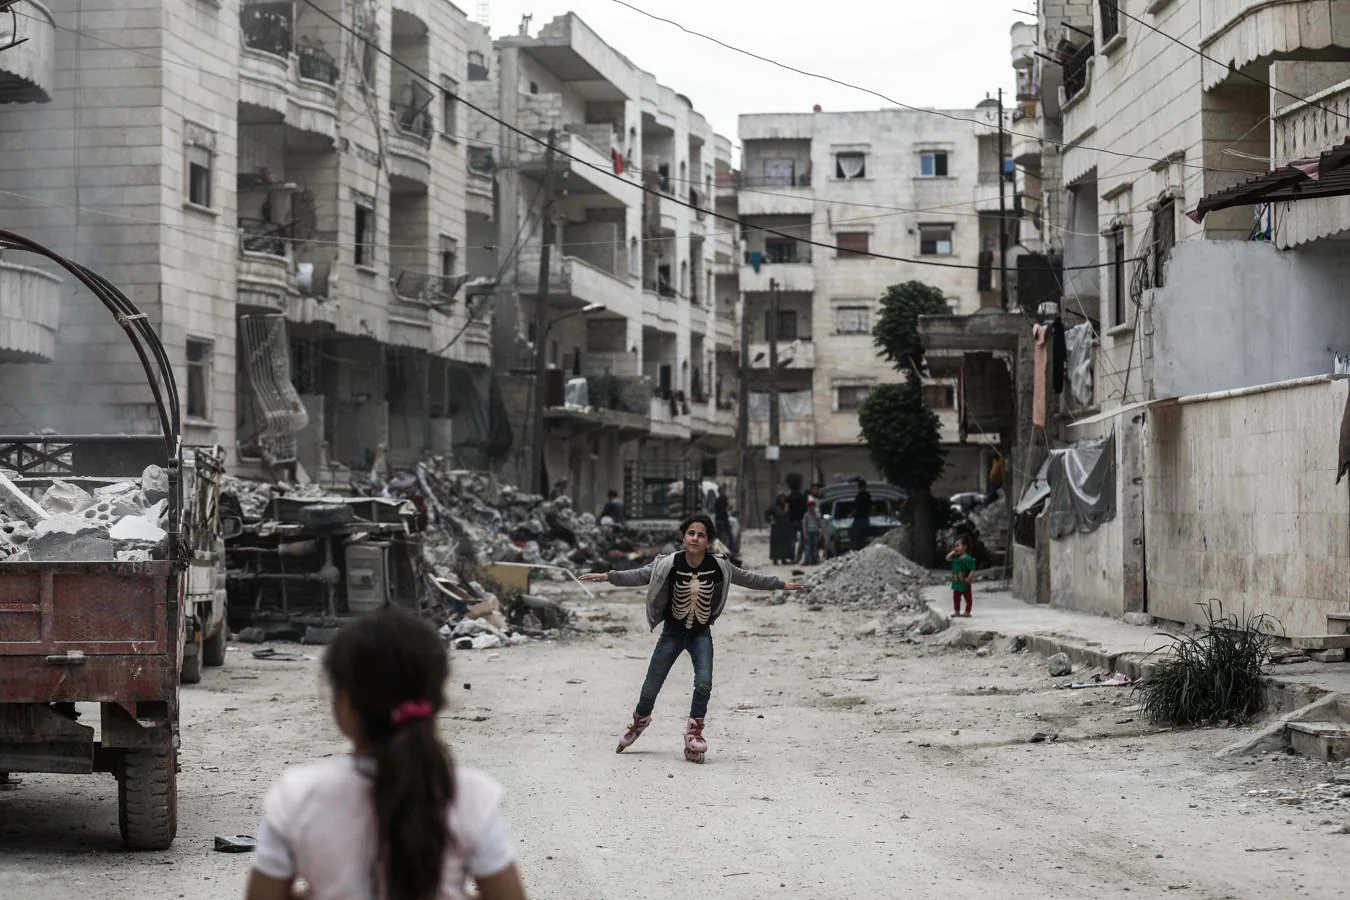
point(1326, 175)
point(1123, 410)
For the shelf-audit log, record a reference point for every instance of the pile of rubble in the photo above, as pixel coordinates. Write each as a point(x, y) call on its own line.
point(876, 577)
point(121, 522)
point(473, 520)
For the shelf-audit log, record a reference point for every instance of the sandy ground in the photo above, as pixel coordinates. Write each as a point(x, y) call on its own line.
point(840, 766)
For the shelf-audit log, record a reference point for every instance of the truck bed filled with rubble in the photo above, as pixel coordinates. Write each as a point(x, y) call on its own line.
point(101, 521)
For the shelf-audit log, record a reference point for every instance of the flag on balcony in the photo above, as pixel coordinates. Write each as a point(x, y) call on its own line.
point(617, 156)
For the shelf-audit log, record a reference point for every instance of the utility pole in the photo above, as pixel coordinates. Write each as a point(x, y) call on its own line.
point(541, 323)
point(743, 425)
point(1002, 211)
point(773, 448)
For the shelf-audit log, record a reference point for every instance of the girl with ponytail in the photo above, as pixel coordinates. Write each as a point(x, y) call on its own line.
point(396, 819)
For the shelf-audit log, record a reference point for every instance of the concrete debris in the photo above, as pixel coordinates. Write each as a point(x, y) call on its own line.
point(119, 522)
point(876, 577)
point(1059, 665)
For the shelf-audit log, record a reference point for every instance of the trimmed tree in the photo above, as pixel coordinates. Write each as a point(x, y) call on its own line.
point(903, 436)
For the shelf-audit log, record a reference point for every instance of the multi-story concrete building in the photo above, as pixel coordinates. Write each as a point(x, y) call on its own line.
point(637, 392)
point(285, 204)
point(918, 185)
point(1216, 333)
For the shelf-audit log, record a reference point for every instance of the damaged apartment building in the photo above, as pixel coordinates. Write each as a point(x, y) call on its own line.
point(637, 327)
point(809, 191)
point(1193, 212)
point(286, 205)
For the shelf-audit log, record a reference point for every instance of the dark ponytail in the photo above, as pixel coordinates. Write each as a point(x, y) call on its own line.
point(392, 667)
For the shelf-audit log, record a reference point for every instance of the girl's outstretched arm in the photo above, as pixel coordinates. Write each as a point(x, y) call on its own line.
point(629, 578)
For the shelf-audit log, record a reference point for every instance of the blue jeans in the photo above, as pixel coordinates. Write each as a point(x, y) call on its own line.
point(812, 547)
point(673, 642)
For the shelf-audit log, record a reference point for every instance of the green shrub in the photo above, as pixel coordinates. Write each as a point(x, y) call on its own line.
point(1214, 676)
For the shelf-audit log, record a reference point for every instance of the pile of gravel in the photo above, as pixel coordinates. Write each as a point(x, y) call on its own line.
point(876, 577)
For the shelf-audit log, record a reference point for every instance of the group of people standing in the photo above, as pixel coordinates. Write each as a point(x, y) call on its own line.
point(797, 524)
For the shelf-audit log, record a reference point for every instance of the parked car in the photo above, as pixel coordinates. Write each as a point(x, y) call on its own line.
point(836, 507)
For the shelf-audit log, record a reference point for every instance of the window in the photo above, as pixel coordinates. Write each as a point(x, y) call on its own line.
point(781, 251)
point(933, 164)
point(849, 166)
point(779, 173)
point(787, 325)
point(935, 240)
point(449, 99)
point(1110, 11)
point(449, 256)
point(534, 87)
point(1164, 237)
point(478, 70)
point(199, 176)
point(1116, 239)
point(852, 320)
point(939, 396)
point(850, 397)
point(199, 354)
point(365, 235)
point(851, 243)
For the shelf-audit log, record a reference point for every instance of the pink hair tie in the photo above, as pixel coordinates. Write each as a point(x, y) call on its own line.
point(411, 711)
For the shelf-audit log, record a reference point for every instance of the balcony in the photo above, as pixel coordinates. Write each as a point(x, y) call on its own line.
point(790, 271)
point(582, 180)
point(775, 195)
point(613, 404)
point(1026, 147)
point(795, 354)
point(669, 419)
point(712, 424)
point(726, 185)
point(478, 187)
point(1242, 32)
point(573, 282)
point(26, 70)
point(1305, 129)
point(1023, 36)
point(30, 313)
point(791, 433)
point(295, 80)
point(265, 266)
point(726, 334)
point(1077, 72)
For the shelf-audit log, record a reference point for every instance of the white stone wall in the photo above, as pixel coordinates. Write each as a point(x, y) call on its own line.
point(1242, 506)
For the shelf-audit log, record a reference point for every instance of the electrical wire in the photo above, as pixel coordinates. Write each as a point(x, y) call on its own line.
point(609, 173)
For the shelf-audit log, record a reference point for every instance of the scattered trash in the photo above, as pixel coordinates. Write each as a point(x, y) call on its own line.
point(235, 843)
point(1117, 679)
point(1263, 849)
point(272, 655)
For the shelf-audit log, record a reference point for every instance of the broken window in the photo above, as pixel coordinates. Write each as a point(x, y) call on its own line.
point(199, 176)
point(851, 243)
point(365, 235)
point(852, 320)
point(1164, 237)
point(933, 164)
point(849, 166)
point(198, 400)
point(935, 240)
point(850, 397)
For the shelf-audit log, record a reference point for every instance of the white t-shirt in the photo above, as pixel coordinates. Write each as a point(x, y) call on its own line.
point(319, 825)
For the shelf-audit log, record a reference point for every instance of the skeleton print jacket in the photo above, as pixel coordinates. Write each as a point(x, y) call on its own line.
point(655, 574)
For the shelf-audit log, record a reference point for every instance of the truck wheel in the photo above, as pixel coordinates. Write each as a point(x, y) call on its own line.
point(213, 650)
point(147, 799)
point(191, 673)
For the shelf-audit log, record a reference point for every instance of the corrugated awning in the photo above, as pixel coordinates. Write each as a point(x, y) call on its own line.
point(1327, 175)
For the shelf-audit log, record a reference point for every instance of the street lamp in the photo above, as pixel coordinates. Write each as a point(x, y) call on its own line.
point(537, 454)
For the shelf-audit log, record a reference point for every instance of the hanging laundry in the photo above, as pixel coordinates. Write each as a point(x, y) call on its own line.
point(1059, 355)
point(756, 260)
point(1078, 340)
point(617, 157)
point(1041, 334)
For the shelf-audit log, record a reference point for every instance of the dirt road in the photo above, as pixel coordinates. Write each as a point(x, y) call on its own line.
point(840, 766)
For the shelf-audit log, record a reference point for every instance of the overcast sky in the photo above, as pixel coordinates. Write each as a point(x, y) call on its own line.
point(946, 54)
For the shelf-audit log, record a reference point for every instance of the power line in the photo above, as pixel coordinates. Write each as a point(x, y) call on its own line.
point(891, 100)
point(609, 173)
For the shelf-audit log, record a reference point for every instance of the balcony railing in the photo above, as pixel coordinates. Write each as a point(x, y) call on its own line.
point(481, 160)
point(316, 63)
point(412, 116)
point(263, 237)
point(268, 27)
point(1076, 70)
point(803, 180)
point(424, 287)
point(1110, 10)
point(799, 253)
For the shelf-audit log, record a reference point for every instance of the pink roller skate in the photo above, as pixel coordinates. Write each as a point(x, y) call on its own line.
point(694, 744)
point(634, 732)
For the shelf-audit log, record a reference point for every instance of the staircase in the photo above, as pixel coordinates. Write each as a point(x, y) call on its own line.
point(1328, 738)
point(1331, 647)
